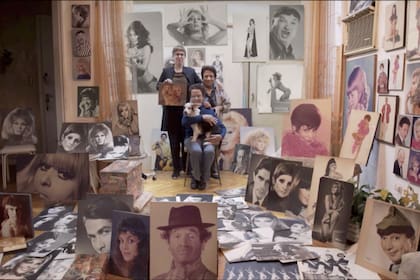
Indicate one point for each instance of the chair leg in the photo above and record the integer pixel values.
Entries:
(186, 168)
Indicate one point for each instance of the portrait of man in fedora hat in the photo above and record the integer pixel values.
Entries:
(397, 237)
(187, 237)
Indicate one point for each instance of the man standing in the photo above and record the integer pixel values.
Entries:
(186, 235)
(257, 190)
(284, 25)
(397, 237)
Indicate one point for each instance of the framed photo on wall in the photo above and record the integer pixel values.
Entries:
(388, 107)
(412, 95)
(403, 130)
(80, 16)
(381, 223)
(396, 71)
(401, 161)
(383, 76)
(88, 100)
(413, 33)
(394, 25)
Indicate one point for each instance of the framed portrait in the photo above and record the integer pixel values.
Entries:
(129, 245)
(100, 140)
(80, 39)
(196, 58)
(241, 159)
(33, 174)
(260, 139)
(412, 95)
(333, 210)
(125, 118)
(233, 121)
(388, 106)
(217, 60)
(173, 94)
(359, 93)
(88, 100)
(413, 34)
(182, 219)
(305, 114)
(73, 138)
(396, 71)
(415, 136)
(277, 84)
(291, 45)
(358, 5)
(401, 161)
(195, 25)
(403, 130)
(394, 25)
(383, 222)
(358, 140)
(383, 76)
(81, 68)
(331, 167)
(250, 25)
(18, 127)
(162, 150)
(16, 220)
(143, 50)
(414, 167)
(80, 16)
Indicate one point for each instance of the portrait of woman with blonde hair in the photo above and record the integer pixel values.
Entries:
(259, 141)
(19, 127)
(100, 140)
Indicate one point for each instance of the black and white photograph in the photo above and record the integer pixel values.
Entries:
(125, 118)
(226, 240)
(388, 232)
(42, 174)
(232, 192)
(16, 218)
(88, 102)
(286, 32)
(250, 38)
(185, 197)
(240, 222)
(56, 269)
(259, 179)
(66, 223)
(236, 201)
(241, 159)
(260, 270)
(277, 84)
(100, 140)
(80, 16)
(129, 245)
(80, 39)
(240, 253)
(19, 127)
(217, 60)
(297, 231)
(226, 212)
(165, 198)
(333, 264)
(24, 266)
(68, 250)
(333, 211)
(94, 223)
(196, 59)
(121, 148)
(358, 5)
(81, 67)
(73, 138)
(285, 253)
(195, 222)
(195, 24)
(144, 50)
(46, 242)
(47, 217)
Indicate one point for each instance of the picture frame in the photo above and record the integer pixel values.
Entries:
(241, 159)
(388, 106)
(125, 118)
(73, 138)
(358, 5)
(403, 130)
(414, 167)
(88, 102)
(394, 22)
(401, 161)
(411, 95)
(383, 76)
(16, 218)
(378, 217)
(80, 16)
(396, 71)
(173, 94)
(413, 36)
(81, 67)
(260, 139)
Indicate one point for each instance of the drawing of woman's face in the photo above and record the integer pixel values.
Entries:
(128, 246)
(133, 37)
(55, 184)
(71, 141)
(195, 21)
(232, 136)
(100, 138)
(18, 126)
(283, 185)
(260, 145)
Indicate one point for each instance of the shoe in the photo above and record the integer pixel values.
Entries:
(194, 184)
(215, 176)
(202, 186)
(175, 174)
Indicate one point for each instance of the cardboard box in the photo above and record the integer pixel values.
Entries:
(122, 177)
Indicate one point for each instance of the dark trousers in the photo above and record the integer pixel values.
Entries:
(179, 157)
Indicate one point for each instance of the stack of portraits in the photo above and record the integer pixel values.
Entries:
(80, 41)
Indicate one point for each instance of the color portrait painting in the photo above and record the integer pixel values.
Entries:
(195, 25)
(142, 39)
(16, 218)
(250, 25)
(388, 232)
(358, 140)
(277, 84)
(413, 32)
(359, 88)
(382, 78)
(388, 106)
(173, 94)
(394, 22)
(261, 139)
(412, 89)
(413, 173)
(396, 71)
(81, 68)
(403, 130)
(401, 161)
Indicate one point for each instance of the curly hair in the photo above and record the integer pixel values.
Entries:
(142, 34)
(29, 121)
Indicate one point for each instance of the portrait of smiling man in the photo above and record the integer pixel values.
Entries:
(286, 32)
(188, 235)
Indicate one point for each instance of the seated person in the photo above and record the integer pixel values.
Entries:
(201, 156)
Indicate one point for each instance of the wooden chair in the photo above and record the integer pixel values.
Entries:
(12, 150)
(215, 161)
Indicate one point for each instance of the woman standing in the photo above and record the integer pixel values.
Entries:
(251, 42)
(139, 51)
(172, 115)
(334, 204)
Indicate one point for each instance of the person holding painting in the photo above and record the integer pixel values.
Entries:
(172, 115)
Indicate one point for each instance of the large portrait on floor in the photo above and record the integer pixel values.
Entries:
(388, 231)
(260, 139)
(55, 177)
(16, 215)
(172, 221)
